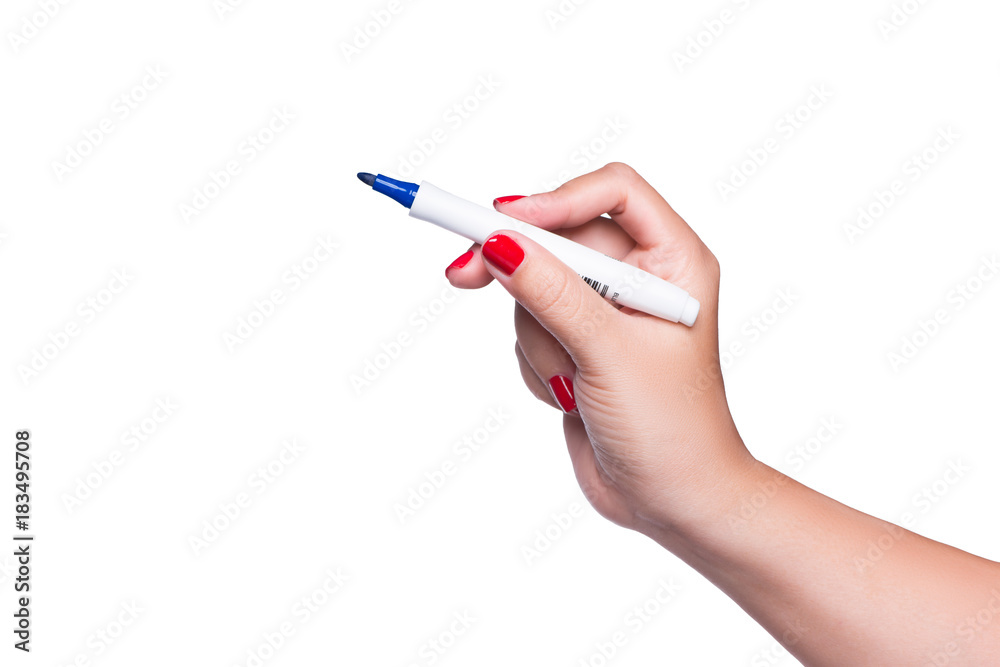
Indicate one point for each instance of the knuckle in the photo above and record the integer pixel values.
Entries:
(621, 170)
(712, 266)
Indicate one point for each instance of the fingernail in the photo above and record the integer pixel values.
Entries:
(562, 390)
(460, 262)
(503, 252)
(506, 200)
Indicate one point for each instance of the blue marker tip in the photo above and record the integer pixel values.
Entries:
(401, 191)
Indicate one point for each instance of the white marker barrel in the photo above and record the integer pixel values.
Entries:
(615, 280)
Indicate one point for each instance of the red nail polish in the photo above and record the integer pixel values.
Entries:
(503, 252)
(460, 262)
(562, 390)
(506, 200)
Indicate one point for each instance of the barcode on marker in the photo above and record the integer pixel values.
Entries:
(600, 288)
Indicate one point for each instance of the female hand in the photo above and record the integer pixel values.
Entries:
(647, 423)
(655, 448)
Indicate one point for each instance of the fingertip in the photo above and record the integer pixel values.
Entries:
(536, 209)
(468, 271)
(544, 209)
(503, 251)
(499, 202)
(460, 262)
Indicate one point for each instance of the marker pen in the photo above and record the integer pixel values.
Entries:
(614, 280)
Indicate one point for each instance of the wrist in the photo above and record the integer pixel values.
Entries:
(718, 495)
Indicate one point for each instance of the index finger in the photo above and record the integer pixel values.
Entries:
(615, 189)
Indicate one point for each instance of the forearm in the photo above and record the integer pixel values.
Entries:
(836, 586)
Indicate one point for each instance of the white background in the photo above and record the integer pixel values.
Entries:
(558, 81)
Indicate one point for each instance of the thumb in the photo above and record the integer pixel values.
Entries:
(579, 318)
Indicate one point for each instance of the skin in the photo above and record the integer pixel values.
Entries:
(655, 449)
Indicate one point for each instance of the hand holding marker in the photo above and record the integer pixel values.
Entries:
(614, 280)
(655, 448)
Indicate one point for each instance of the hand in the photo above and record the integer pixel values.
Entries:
(647, 423)
(655, 448)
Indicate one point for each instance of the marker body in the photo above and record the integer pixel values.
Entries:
(615, 280)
